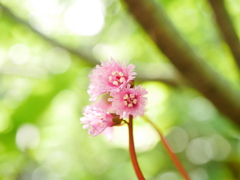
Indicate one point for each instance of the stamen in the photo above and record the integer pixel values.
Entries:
(135, 101)
(130, 105)
(125, 103)
(115, 82)
(110, 78)
(125, 97)
(113, 73)
(120, 74)
(121, 79)
(132, 96)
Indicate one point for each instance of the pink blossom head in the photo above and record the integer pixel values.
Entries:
(110, 76)
(96, 119)
(129, 101)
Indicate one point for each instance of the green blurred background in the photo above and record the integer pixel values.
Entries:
(43, 90)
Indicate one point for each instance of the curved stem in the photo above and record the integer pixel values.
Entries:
(132, 150)
(173, 156)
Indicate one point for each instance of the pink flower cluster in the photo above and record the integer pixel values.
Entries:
(113, 78)
(96, 119)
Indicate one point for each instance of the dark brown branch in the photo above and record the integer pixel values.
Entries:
(193, 68)
(226, 27)
(83, 55)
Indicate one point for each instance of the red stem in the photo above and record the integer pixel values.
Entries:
(132, 150)
(170, 152)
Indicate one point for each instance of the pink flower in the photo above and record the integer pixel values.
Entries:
(103, 103)
(96, 119)
(129, 101)
(110, 76)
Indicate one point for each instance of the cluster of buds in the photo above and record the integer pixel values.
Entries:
(116, 81)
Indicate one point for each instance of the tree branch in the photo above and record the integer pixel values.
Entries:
(226, 27)
(84, 55)
(176, 82)
(155, 22)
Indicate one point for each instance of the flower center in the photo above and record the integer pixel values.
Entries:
(129, 100)
(117, 78)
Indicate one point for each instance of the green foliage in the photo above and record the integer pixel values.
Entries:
(44, 89)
